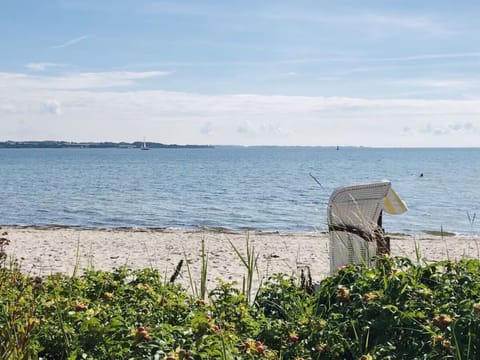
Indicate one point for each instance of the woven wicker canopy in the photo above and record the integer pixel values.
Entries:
(354, 217)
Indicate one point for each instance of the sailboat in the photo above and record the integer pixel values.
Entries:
(144, 146)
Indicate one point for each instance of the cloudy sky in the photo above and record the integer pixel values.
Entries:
(270, 72)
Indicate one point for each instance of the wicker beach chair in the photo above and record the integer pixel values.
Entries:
(355, 222)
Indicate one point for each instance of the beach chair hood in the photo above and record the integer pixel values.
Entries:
(353, 219)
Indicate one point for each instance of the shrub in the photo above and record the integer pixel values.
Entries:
(399, 310)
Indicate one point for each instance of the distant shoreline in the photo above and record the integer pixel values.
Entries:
(47, 144)
(54, 144)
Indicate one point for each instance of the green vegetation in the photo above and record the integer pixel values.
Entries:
(398, 310)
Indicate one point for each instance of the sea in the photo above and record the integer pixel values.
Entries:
(234, 188)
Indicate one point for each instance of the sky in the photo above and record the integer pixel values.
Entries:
(252, 72)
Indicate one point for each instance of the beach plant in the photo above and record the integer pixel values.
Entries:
(471, 220)
(249, 261)
(288, 311)
(18, 323)
(402, 310)
(202, 292)
(17, 308)
(203, 271)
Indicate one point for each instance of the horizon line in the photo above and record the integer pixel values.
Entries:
(244, 146)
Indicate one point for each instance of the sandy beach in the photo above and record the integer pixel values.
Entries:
(47, 250)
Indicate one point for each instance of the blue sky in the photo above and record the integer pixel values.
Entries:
(370, 73)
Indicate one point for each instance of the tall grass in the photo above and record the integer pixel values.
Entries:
(471, 221)
(200, 293)
(249, 261)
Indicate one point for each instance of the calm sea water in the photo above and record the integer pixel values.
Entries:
(264, 188)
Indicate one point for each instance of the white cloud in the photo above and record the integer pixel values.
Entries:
(364, 19)
(53, 107)
(77, 81)
(450, 128)
(341, 59)
(407, 130)
(70, 42)
(245, 128)
(285, 75)
(206, 129)
(467, 126)
(179, 8)
(273, 127)
(42, 66)
(90, 113)
(7, 109)
(437, 83)
(404, 21)
(431, 56)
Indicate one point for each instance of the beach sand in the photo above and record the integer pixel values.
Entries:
(47, 250)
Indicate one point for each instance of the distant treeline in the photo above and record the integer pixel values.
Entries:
(67, 144)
